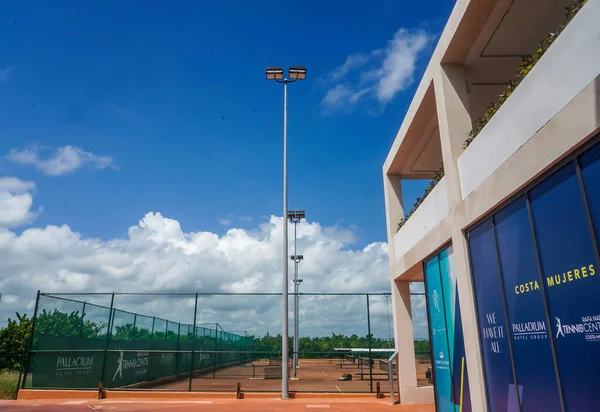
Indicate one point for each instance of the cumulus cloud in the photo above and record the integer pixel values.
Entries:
(14, 185)
(158, 256)
(377, 76)
(59, 161)
(16, 202)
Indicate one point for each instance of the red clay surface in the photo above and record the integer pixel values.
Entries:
(216, 405)
(313, 375)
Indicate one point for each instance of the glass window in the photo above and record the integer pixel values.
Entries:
(532, 352)
(590, 169)
(493, 331)
(569, 268)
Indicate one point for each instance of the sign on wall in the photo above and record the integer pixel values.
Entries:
(451, 380)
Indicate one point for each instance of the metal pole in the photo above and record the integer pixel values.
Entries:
(108, 331)
(166, 329)
(177, 353)
(152, 333)
(82, 315)
(134, 323)
(295, 357)
(284, 327)
(369, 340)
(193, 344)
(215, 350)
(35, 312)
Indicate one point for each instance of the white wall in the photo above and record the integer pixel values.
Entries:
(431, 212)
(570, 64)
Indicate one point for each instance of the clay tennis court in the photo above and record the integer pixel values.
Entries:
(313, 375)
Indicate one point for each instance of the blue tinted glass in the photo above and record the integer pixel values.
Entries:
(590, 168)
(441, 353)
(529, 328)
(569, 268)
(493, 330)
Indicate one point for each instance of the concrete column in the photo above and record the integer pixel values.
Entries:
(394, 212)
(454, 121)
(402, 313)
(469, 321)
(403, 334)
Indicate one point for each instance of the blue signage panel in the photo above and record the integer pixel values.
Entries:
(458, 365)
(590, 169)
(493, 328)
(451, 379)
(570, 267)
(441, 352)
(528, 325)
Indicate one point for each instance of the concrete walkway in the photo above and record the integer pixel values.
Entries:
(216, 405)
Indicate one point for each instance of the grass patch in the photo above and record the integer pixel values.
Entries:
(8, 384)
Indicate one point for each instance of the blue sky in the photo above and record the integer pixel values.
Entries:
(167, 105)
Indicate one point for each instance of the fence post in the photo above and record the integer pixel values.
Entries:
(134, 323)
(82, 324)
(215, 350)
(369, 340)
(193, 343)
(110, 321)
(166, 329)
(30, 345)
(177, 353)
(152, 333)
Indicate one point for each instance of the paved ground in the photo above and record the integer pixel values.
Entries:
(252, 405)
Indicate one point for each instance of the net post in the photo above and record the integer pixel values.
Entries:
(108, 332)
(193, 343)
(369, 340)
(30, 345)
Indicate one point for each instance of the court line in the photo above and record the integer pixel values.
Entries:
(338, 388)
(324, 373)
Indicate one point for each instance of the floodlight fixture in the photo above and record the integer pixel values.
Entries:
(274, 73)
(297, 73)
(296, 216)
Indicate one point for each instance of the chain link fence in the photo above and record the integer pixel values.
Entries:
(212, 342)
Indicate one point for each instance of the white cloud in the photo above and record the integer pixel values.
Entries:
(14, 185)
(158, 256)
(61, 160)
(225, 222)
(5, 74)
(16, 202)
(245, 218)
(377, 76)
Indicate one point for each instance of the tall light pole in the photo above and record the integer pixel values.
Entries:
(276, 73)
(295, 217)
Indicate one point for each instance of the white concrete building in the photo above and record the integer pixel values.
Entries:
(507, 241)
